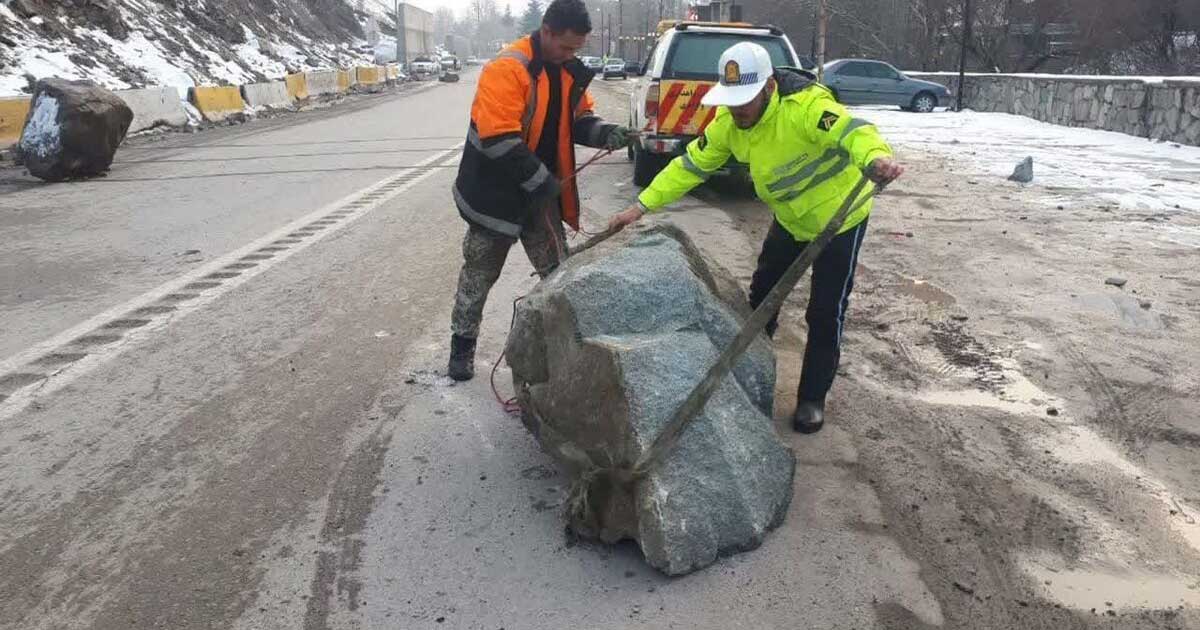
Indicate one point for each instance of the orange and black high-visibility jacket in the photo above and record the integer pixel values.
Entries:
(501, 182)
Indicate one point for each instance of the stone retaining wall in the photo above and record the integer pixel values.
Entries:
(1161, 110)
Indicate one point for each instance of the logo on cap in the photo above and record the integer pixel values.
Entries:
(733, 73)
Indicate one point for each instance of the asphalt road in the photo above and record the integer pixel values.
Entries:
(224, 409)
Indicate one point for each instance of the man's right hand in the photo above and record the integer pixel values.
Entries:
(628, 216)
(619, 137)
(884, 171)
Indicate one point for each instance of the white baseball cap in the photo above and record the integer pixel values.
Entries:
(744, 69)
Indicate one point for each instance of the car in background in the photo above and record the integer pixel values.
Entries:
(595, 64)
(450, 62)
(472, 60)
(633, 67)
(614, 68)
(870, 82)
(682, 68)
(424, 66)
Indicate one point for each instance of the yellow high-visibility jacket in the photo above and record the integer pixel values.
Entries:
(806, 153)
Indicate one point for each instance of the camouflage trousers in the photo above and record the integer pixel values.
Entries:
(484, 253)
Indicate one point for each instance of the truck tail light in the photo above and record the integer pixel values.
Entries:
(652, 104)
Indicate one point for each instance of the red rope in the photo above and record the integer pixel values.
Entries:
(509, 405)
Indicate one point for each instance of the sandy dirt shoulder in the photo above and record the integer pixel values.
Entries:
(1029, 429)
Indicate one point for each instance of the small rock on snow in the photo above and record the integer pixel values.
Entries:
(1116, 282)
(1023, 173)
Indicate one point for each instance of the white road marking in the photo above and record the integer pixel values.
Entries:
(348, 209)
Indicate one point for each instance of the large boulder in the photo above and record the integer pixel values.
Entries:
(73, 129)
(603, 352)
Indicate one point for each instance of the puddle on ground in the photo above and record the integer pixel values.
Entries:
(1086, 588)
(1003, 387)
(1120, 306)
(923, 291)
(1080, 445)
(1011, 392)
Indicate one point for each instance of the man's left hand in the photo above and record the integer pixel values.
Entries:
(884, 171)
(619, 137)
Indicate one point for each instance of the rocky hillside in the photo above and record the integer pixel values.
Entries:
(134, 43)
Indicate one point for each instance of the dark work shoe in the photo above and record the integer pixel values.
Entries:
(810, 417)
(462, 358)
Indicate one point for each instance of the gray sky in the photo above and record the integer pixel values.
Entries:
(459, 6)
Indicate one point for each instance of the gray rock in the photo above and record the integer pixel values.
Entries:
(604, 351)
(1116, 281)
(73, 129)
(1023, 173)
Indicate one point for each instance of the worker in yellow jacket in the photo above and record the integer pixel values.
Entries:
(806, 152)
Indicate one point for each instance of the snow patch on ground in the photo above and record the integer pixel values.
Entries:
(139, 52)
(1126, 171)
(43, 134)
(163, 49)
(251, 55)
(1060, 77)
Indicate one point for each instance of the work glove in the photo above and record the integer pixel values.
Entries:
(619, 137)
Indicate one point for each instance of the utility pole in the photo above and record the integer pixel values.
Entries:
(620, 29)
(609, 49)
(962, 55)
(822, 29)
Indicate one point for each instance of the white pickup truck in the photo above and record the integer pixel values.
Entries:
(682, 67)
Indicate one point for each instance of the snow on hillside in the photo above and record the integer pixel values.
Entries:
(134, 43)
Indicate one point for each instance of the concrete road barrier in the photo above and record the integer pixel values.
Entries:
(273, 94)
(322, 82)
(13, 112)
(153, 107)
(218, 103)
(371, 78)
(344, 80)
(370, 75)
(297, 86)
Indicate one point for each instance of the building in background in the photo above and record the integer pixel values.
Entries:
(715, 11)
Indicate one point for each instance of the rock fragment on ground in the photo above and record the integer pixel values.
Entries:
(604, 351)
(1023, 173)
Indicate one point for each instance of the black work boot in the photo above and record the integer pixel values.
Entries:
(810, 416)
(462, 358)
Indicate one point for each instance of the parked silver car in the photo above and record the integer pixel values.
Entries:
(595, 64)
(614, 68)
(868, 82)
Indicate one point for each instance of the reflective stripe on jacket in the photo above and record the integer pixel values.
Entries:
(805, 154)
(501, 182)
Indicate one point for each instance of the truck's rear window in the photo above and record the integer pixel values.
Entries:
(695, 55)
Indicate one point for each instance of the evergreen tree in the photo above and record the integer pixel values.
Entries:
(531, 20)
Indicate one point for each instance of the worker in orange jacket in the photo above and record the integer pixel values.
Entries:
(515, 178)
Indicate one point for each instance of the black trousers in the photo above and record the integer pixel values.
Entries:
(832, 281)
